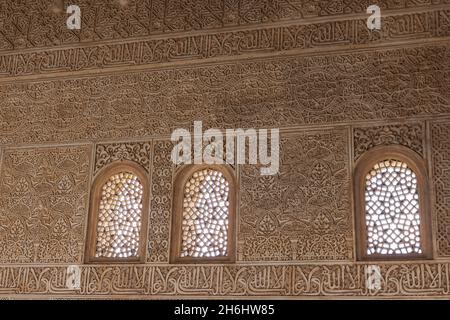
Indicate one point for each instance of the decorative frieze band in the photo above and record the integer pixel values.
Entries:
(323, 36)
(176, 281)
(38, 24)
(273, 93)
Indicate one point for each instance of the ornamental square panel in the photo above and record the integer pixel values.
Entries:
(43, 204)
(304, 212)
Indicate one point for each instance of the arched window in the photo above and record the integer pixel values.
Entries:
(204, 214)
(392, 205)
(118, 214)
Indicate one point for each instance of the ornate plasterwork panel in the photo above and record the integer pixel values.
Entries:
(161, 203)
(279, 92)
(303, 212)
(139, 152)
(259, 64)
(39, 24)
(238, 281)
(441, 181)
(304, 38)
(43, 204)
(410, 135)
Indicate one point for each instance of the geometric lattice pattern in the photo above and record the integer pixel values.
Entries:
(392, 209)
(205, 215)
(119, 218)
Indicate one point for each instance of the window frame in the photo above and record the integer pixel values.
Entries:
(181, 177)
(417, 164)
(95, 197)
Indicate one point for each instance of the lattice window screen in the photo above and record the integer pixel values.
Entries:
(392, 209)
(205, 215)
(119, 218)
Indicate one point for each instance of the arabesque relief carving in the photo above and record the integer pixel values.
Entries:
(134, 73)
(139, 152)
(440, 133)
(43, 204)
(410, 135)
(276, 92)
(161, 204)
(238, 281)
(40, 24)
(302, 213)
(222, 44)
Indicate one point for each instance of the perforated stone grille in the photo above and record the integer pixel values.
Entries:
(119, 219)
(205, 215)
(392, 209)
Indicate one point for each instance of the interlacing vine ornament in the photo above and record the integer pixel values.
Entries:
(392, 209)
(271, 93)
(205, 215)
(43, 204)
(441, 180)
(303, 213)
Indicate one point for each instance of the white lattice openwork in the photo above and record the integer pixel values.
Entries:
(205, 215)
(392, 209)
(119, 217)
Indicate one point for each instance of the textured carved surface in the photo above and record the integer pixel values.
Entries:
(271, 93)
(37, 24)
(397, 280)
(161, 204)
(408, 135)
(226, 44)
(441, 180)
(43, 204)
(137, 152)
(304, 212)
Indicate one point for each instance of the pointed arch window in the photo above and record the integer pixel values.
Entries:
(392, 205)
(118, 214)
(204, 215)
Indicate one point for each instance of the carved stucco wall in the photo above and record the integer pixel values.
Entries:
(303, 212)
(310, 68)
(44, 197)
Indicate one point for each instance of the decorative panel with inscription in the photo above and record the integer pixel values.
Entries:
(398, 280)
(291, 37)
(38, 24)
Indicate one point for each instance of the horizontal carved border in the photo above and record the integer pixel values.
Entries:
(39, 24)
(279, 92)
(331, 280)
(327, 35)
